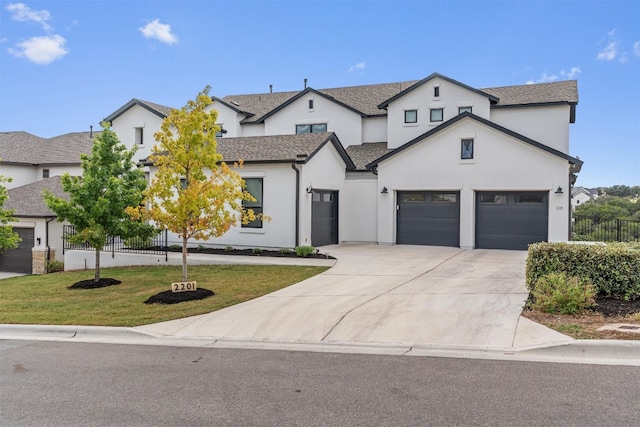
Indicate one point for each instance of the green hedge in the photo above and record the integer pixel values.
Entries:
(613, 269)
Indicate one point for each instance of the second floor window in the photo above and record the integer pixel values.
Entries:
(254, 187)
(411, 116)
(316, 128)
(45, 173)
(139, 136)
(437, 114)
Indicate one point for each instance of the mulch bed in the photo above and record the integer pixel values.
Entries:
(92, 284)
(169, 297)
(610, 307)
(245, 252)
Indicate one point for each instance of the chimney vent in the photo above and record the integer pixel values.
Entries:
(270, 88)
(305, 83)
(90, 131)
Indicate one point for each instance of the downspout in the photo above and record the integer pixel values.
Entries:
(293, 166)
(46, 241)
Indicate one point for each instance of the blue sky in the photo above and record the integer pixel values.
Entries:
(65, 65)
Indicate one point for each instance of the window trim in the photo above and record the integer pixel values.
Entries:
(311, 125)
(139, 135)
(436, 91)
(467, 107)
(462, 149)
(46, 173)
(258, 223)
(432, 110)
(413, 110)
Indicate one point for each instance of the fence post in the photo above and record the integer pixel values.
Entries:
(166, 247)
(619, 230)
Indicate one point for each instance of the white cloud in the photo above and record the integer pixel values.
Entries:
(156, 30)
(41, 50)
(636, 48)
(360, 66)
(610, 51)
(571, 74)
(21, 12)
(544, 79)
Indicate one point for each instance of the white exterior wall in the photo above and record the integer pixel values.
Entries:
(20, 175)
(451, 98)
(252, 130)
(579, 199)
(359, 222)
(548, 125)
(325, 171)
(500, 163)
(124, 126)
(228, 119)
(345, 123)
(61, 170)
(374, 129)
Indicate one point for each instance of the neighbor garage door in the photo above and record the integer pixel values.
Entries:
(19, 260)
(428, 218)
(511, 220)
(324, 218)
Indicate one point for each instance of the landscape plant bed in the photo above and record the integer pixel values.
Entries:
(245, 252)
(170, 297)
(584, 326)
(103, 282)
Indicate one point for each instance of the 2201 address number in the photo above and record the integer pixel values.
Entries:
(183, 286)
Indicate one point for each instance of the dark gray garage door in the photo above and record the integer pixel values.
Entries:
(324, 218)
(428, 218)
(511, 220)
(19, 260)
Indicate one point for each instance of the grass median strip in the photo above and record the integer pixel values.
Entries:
(46, 299)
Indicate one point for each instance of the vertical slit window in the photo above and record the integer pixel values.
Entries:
(254, 187)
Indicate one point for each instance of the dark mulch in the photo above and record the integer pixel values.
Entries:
(92, 284)
(610, 307)
(169, 297)
(245, 252)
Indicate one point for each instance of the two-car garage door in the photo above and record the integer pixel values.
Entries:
(504, 220)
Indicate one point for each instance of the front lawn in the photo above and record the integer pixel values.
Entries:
(46, 299)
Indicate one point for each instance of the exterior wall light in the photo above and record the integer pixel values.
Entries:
(309, 189)
(384, 190)
(559, 190)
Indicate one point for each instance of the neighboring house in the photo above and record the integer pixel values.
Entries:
(428, 162)
(36, 164)
(580, 195)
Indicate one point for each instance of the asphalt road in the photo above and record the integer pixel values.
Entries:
(80, 384)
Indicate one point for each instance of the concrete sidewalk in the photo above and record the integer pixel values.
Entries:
(388, 295)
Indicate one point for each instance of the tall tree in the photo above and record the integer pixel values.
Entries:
(110, 182)
(193, 192)
(8, 238)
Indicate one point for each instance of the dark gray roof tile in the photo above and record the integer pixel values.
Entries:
(25, 148)
(366, 153)
(27, 200)
(541, 93)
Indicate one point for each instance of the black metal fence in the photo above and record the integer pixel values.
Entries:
(594, 229)
(156, 245)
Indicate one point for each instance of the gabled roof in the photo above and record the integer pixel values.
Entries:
(23, 148)
(278, 148)
(470, 116)
(366, 153)
(419, 83)
(27, 200)
(157, 109)
(577, 190)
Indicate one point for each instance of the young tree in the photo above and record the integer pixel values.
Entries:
(8, 238)
(110, 182)
(193, 192)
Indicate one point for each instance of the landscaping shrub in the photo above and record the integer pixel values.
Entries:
(304, 251)
(285, 251)
(55, 266)
(613, 269)
(256, 251)
(559, 293)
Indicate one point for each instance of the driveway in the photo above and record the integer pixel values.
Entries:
(416, 295)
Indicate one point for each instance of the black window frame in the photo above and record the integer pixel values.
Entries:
(311, 104)
(469, 152)
(257, 206)
(139, 135)
(436, 91)
(432, 110)
(411, 111)
(469, 109)
(311, 125)
(45, 173)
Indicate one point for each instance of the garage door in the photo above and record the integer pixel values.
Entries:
(324, 218)
(511, 220)
(428, 218)
(19, 260)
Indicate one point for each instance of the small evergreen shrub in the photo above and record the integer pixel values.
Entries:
(558, 293)
(175, 247)
(228, 249)
(305, 251)
(285, 251)
(256, 251)
(55, 266)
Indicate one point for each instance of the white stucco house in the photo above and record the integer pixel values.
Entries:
(35, 164)
(580, 195)
(427, 162)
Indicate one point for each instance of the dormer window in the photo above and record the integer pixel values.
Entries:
(464, 110)
(436, 91)
(411, 116)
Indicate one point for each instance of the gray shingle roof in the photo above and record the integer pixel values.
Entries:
(541, 93)
(28, 202)
(25, 148)
(157, 109)
(366, 153)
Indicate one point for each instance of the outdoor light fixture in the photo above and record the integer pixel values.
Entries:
(309, 189)
(559, 190)
(38, 240)
(384, 190)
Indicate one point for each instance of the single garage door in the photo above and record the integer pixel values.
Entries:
(19, 260)
(428, 218)
(324, 217)
(511, 220)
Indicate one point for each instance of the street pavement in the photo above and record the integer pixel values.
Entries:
(401, 300)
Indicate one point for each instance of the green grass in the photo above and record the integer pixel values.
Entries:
(46, 299)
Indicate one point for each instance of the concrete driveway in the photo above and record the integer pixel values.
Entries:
(416, 295)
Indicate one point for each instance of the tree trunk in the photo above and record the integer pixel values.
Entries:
(184, 259)
(97, 276)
